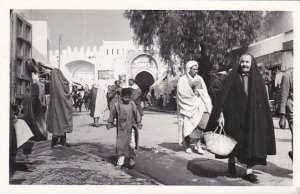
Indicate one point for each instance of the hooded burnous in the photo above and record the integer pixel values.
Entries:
(247, 115)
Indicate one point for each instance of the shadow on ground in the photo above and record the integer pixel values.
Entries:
(215, 168)
(173, 146)
(275, 170)
(108, 153)
(210, 168)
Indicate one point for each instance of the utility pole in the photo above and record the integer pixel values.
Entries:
(59, 48)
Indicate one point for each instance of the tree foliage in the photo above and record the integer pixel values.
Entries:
(206, 36)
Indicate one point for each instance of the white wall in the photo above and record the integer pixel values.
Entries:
(39, 41)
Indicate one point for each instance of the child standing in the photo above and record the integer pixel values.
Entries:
(128, 120)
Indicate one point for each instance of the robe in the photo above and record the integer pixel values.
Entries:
(98, 102)
(248, 118)
(190, 107)
(127, 117)
(59, 119)
(136, 97)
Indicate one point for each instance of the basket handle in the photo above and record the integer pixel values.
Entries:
(222, 131)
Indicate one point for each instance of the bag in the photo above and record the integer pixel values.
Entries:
(219, 143)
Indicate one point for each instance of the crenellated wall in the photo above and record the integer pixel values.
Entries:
(108, 61)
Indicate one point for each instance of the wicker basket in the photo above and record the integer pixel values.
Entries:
(219, 143)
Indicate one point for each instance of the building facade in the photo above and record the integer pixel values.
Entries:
(113, 60)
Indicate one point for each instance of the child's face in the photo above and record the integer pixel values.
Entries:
(126, 99)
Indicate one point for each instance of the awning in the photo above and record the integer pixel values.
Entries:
(288, 45)
(40, 58)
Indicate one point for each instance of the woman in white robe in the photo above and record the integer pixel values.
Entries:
(193, 104)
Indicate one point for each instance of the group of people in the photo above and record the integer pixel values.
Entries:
(80, 97)
(240, 104)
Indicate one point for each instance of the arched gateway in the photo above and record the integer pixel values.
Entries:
(145, 71)
(144, 80)
(81, 71)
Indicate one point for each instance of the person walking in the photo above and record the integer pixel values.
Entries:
(242, 107)
(286, 103)
(86, 99)
(59, 118)
(193, 105)
(98, 104)
(113, 94)
(128, 120)
(136, 95)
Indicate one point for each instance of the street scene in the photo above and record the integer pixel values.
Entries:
(160, 160)
(175, 98)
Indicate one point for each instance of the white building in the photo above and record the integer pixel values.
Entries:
(113, 60)
(274, 52)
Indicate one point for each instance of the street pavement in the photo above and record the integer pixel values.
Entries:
(91, 159)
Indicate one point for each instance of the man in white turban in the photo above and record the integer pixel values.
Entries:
(193, 105)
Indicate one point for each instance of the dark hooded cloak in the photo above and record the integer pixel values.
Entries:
(59, 119)
(248, 119)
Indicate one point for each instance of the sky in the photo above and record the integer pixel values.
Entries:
(90, 27)
(83, 27)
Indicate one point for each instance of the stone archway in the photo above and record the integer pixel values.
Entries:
(144, 62)
(144, 80)
(82, 72)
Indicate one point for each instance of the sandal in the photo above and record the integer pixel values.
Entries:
(119, 167)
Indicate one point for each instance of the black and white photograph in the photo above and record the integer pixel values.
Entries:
(149, 97)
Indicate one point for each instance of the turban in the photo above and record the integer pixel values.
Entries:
(189, 65)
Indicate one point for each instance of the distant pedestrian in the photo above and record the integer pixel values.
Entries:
(59, 119)
(86, 99)
(128, 120)
(109, 87)
(136, 95)
(286, 103)
(77, 99)
(242, 107)
(98, 104)
(113, 95)
(194, 106)
(149, 96)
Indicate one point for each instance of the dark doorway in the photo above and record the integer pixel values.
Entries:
(144, 80)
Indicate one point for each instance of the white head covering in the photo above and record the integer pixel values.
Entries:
(189, 65)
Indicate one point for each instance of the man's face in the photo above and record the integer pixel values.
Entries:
(245, 63)
(117, 83)
(131, 82)
(193, 71)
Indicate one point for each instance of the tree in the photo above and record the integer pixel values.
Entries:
(205, 36)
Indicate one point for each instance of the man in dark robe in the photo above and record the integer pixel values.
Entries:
(113, 96)
(243, 109)
(92, 97)
(136, 95)
(216, 85)
(59, 119)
